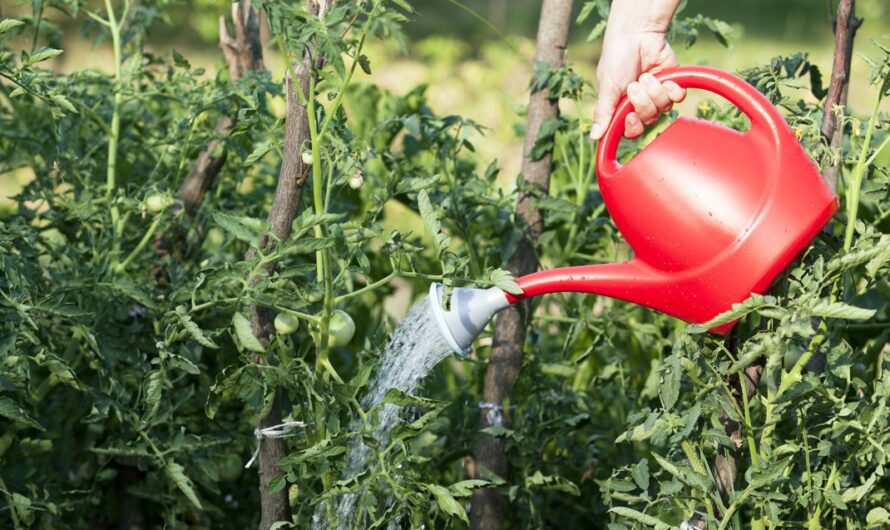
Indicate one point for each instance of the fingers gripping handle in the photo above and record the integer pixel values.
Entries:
(765, 118)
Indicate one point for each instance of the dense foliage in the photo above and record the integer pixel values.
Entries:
(130, 380)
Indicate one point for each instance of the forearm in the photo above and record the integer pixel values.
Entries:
(641, 16)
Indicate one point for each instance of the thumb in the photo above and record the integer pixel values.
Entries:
(602, 114)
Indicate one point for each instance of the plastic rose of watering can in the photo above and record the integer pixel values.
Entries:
(712, 215)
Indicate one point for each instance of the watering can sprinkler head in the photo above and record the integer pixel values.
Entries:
(470, 311)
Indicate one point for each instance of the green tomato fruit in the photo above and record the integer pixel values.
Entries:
(314, 295)
(342, 328)
(792, 354)
(285, 323)
(356, 181)
(158, 202)
(306, 157)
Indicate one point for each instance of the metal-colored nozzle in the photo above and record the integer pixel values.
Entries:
(471, 309)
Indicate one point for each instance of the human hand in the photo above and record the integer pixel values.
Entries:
(634, 48)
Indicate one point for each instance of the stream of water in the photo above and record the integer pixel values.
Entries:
(416, 347)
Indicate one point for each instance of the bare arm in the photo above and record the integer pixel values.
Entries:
(634, 47)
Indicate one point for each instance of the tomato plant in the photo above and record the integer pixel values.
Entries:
(131, 375)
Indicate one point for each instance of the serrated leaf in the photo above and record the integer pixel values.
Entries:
(669, 389)
(545, 138)
(63, 102)
(321, 449)
(465, 488)
(551, 482)
(394, 396)
(308, 219)
(503, 279)
(259, 151)
(640, 473)
(640, 517)
(9, 23)
(10, 410)
(151, 397)
(753, 303)
(176, 473)
(245, 334)
(246, 229)
(447, 502)
(196, 332)
(411, 184)
(127, 287)
(63, 372)
(42, 54)
(881, 259)
(404, 5)
(306, 245)
(827, 309)
(431, 221)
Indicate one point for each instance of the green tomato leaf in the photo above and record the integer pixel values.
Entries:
(551, 483)
(504, 280)
(63, 102)
(8, 23)
(669, 389)
(9, 409)
(446, 502)
(245, 334)
(246, 229)
(42, 54)
(176, 473)
(431, 221)
(196, 332)
(465, 488)
(827, 309)
(640, 517)
(151, 397)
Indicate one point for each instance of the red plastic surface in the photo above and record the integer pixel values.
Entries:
(712, 214)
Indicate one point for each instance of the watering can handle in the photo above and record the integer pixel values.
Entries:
(765, 118)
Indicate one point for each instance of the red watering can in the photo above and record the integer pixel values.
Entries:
(712, 215)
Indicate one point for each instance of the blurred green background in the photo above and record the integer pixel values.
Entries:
(482, 74)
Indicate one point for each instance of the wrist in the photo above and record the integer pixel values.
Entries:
(630, 17)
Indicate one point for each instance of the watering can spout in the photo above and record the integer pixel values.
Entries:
(472, 309)
(631, 281)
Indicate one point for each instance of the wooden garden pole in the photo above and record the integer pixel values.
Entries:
(845, 25)
(288, 193)
(505, 360)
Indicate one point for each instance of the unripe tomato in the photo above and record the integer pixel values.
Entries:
(792, 354)
(341, 330)
(306, 157)
(356, 181)
(285, 323)
(293, 495)
(314, 295)
(158, 202)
